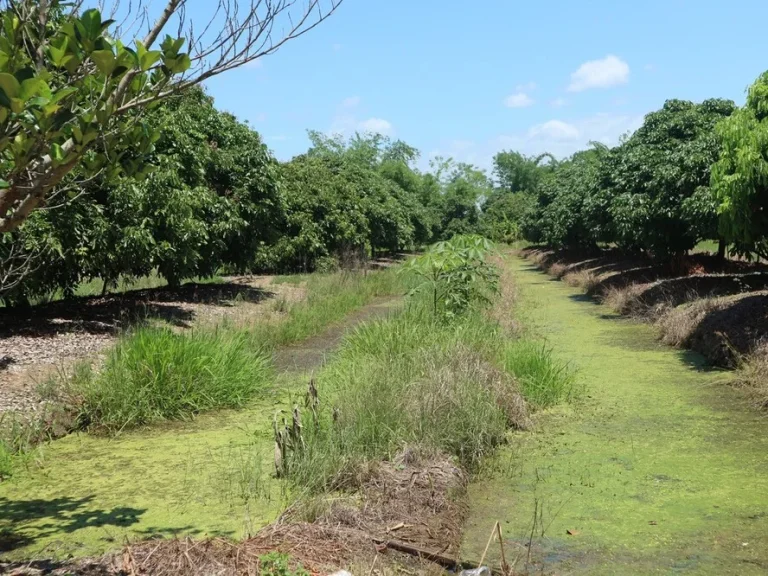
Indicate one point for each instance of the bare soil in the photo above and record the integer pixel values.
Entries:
(36, 341)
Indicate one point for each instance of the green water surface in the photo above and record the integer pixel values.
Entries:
(660, 467)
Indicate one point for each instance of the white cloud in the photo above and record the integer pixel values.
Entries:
(559, 102)
(557, 137)
(376, 126)
(555, 130)
(519, 100)
(350, 102)
(610, 71)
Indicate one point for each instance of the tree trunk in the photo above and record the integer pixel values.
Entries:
(721, 249)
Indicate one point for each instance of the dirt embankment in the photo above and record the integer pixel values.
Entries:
(719, 309)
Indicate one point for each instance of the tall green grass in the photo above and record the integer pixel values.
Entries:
(156, 374)
(412, 380)
(543, 380)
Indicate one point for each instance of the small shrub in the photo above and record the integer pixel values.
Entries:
(156, 374)
(543, 380)
(327, 265)
(456, 275)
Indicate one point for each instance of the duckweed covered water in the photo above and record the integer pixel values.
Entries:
(89, 494)
(84, 495)
(659, 469)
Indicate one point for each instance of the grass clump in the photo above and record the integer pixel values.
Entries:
(6, 461)
(543, 380)
(752, 374)
(156, 374)
(584, 279)
(410, 380)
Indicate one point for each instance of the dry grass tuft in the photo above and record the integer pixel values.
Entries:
(445, 383)
(584, 279)
(752, 374)
(678, 324)
(558, 269)
(625, 300)
(502, 310)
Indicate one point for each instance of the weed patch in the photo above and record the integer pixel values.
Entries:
(156, 374)
(543, 380)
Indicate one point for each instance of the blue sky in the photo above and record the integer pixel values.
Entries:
(467, 79)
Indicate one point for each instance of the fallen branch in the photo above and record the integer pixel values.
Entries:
(448, 562)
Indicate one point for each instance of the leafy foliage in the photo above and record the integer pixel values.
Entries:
(651, 193)
(67, 88)
(658, 179)
(211, 200)
(455, 275)
(740, 177)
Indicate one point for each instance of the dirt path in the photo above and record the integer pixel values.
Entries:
(312, 352)
(659, 469)
(84, 495)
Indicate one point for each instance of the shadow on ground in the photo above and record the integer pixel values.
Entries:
(732, 326)
(113, 313)
(22, 522)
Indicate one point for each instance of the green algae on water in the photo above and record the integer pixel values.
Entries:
(658, 469)
(90, 494)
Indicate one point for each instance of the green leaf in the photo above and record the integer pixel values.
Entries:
(63, 93)
(91, 24)
(33, 87)
(104, 60)
(57, 153)
(4, 184)
(17, 105)
(9, 85)
(149, 59)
